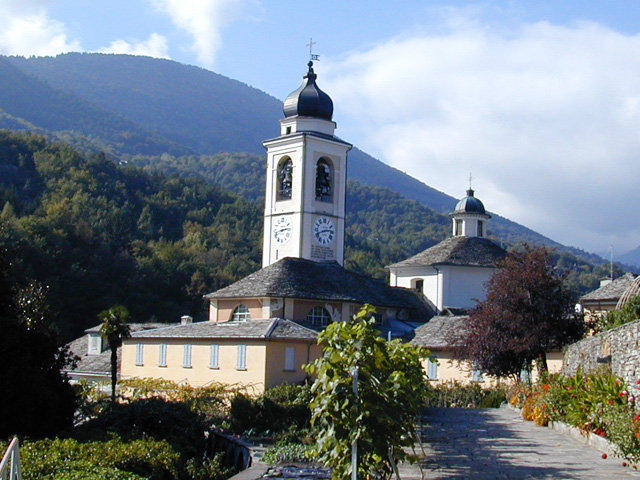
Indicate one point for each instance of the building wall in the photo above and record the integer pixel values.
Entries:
(276, 373)
(463, 285)
(200, 373)
(450, 369)
(226, 307)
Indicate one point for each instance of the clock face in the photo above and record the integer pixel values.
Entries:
(324, 230)
(282, 230)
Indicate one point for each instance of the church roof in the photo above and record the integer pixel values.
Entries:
(275, 328)
(308, 100)
(328, 281)
(438, 331)
(469, 204)
(612, 290)
(461, 251)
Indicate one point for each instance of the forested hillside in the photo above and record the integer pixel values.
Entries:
(99, 233)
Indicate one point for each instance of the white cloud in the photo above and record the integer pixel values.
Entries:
(26, 29)
(203, 20)
(154, 46)
(546, 117)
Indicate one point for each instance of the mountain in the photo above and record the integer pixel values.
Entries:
(129, 105)
(631, 258)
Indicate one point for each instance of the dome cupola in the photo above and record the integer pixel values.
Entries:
(469, 217)
(470, 204)
(308, 100)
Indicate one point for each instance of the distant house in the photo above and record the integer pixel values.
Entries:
(606, 297)
(256, 354)
(438, 336)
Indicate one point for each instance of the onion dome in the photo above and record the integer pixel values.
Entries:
(308, 100)
(470, 204)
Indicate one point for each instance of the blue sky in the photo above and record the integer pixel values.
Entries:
(540, 101)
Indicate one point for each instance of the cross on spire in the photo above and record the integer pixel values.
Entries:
(312, 56)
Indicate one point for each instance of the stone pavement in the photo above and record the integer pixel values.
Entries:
(487, 444)
(496, 444)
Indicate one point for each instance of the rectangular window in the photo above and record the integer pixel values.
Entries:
(213, 357)
(162, 355)
(476, 375)
(480, 231)
(186, 358)
(242, 357)
(458, 227)
(139, 353)
(432, 369)
(95, 344)
(289, 359)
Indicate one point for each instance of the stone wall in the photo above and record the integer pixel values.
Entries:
(618, 348)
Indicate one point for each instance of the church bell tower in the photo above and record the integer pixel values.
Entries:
(306, 180)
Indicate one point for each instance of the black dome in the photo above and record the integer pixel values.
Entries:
(470, 204)
(308, 100)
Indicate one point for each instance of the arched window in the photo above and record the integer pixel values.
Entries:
(318, 317)
(240, 313)
(285, 181)
(324, 181)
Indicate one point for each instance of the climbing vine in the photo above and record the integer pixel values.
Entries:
(381, 417)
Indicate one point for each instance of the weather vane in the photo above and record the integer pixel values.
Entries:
(312, 56)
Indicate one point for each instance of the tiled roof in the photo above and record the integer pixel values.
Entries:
(437, 332)
(300, 278)
(276, 328)
(100, 364)
(611, 291)
(462, 251)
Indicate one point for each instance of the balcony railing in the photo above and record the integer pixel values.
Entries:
(11, 462)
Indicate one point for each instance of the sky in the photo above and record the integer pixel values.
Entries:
(537, 101)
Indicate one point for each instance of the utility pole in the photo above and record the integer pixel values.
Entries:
(354, 446)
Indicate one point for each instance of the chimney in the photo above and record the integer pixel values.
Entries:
(186, 319)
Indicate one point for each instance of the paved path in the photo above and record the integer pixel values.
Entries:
(496, 444)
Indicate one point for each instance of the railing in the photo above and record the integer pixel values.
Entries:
(11, 457)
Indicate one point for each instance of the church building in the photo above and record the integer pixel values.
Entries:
(453, 272)
(262, 328)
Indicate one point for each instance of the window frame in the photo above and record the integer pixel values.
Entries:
(214, 356)
(241, 361)
(187, 351)
(162, 355)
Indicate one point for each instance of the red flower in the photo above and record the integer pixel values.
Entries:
(638, 434)
(636, 417)
(604, 456)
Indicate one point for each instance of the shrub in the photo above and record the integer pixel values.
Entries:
(289, 453)
(463, 395)
(70, 459)
(275, 411)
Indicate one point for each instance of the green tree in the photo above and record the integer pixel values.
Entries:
(629, 312)
(527, 312)
(114, 329)
(390, 395)
(37, 399)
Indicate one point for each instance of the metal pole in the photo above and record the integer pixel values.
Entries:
(354, 445)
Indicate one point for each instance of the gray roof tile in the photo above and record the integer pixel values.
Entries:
(300, 278)
(276, 328)
(611, 291)
(438, 331)
(462, 251)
